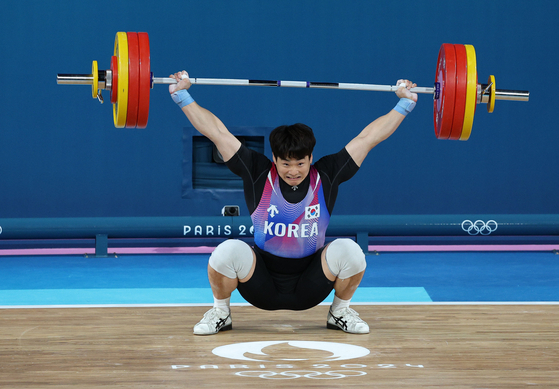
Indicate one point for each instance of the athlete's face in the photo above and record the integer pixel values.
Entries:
(293, 171)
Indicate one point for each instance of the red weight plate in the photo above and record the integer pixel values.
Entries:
(145, 80)
(114, 85)
(460, 96)
(133, 79)
(445, 84)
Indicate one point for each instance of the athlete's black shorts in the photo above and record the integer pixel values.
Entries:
(286, 283)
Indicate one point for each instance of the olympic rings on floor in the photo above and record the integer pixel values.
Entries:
(292, 374)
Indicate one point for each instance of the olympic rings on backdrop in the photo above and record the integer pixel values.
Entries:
(479, 227)
(292, 374)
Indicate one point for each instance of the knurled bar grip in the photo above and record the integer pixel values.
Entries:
(87, 79)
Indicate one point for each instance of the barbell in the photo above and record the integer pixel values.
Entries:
(456, 91)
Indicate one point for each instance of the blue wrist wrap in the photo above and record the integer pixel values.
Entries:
(404, 106)
(182, 98)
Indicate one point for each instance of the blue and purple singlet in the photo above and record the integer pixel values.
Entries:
(291, 230)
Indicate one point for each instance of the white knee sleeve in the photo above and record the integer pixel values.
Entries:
(345, 258)
(232, 258)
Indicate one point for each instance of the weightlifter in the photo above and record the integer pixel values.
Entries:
(290, 200)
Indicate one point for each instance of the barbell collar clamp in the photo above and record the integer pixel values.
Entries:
(484, 93)
(104, 79)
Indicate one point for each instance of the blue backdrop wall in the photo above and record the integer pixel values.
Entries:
(60, 155)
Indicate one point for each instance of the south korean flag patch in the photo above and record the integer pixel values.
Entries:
(312, 212)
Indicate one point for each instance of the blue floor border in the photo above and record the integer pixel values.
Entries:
(426, 277)
(127, 296)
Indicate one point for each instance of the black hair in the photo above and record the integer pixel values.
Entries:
(294, 141)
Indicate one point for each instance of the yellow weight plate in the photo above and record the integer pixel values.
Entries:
(95, 85)
(121, 106)
(471, 93)
(492, 89)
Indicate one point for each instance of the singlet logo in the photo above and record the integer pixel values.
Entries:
(312, 212)
(272, 210)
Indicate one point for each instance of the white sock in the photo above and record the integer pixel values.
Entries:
(338, 303)
(222, 304)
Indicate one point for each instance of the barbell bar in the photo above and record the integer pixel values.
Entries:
(456, 91)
